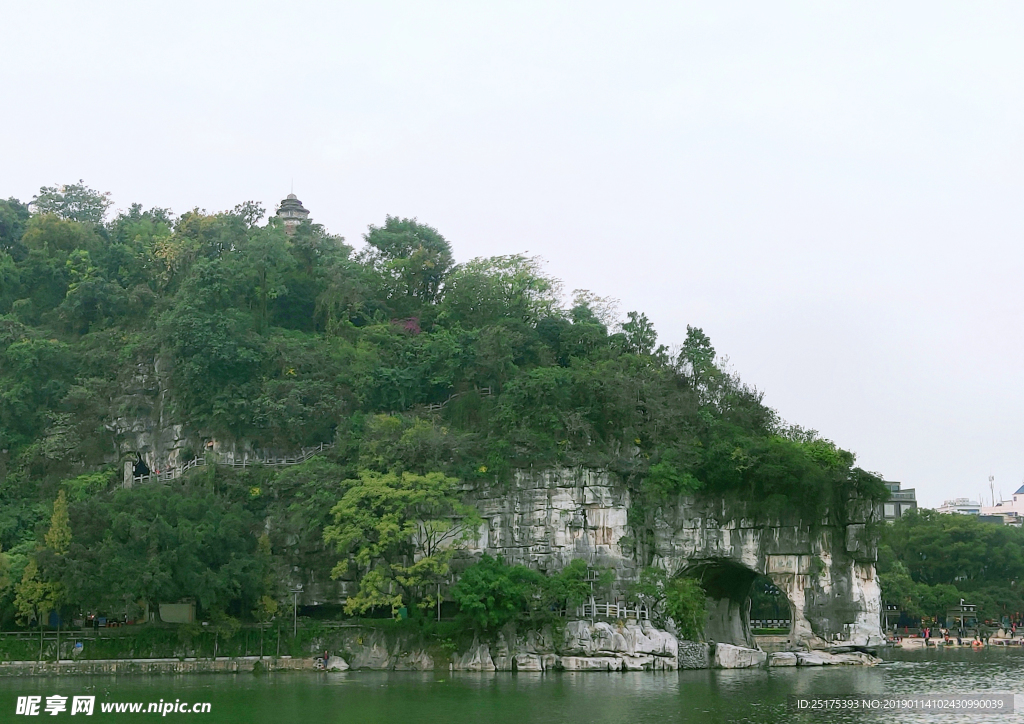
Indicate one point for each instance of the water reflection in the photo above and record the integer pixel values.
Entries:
(566, 698)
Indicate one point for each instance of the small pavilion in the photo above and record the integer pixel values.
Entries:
(293, 213)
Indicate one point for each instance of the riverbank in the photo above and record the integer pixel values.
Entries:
(104, 667)
(913, 643)
(575, 646)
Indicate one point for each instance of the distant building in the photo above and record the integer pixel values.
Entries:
(1011, 512)
(964, 616)
(293, 213)
(963, 506)
(1005, 512)
(1018, 500)
(899, 502)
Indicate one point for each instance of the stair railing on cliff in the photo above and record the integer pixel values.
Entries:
(229, 460)
(613, 611)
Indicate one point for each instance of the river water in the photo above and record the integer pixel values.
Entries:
(562, 698)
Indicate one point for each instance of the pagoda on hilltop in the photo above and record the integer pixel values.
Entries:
(292, 212)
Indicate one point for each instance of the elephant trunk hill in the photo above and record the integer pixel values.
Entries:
(244, 416)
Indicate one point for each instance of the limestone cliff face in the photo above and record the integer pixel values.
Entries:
(144, 420)
(548, 518)
(545, 519)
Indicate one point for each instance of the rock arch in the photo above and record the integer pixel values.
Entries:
(825, 570)
(547, 518)
(727, 585)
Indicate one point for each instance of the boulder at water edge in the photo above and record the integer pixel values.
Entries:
(336, 663)
(782, 658)
(728, 656)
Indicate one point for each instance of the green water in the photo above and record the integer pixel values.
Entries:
(565, 698)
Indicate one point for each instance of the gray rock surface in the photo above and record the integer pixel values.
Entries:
(529, 662)
(336, 663)
(477, 658)
(728, 656)
(591, 663)
(372, 654)
(642, 662)
(693, 655)
(812, 658)
(415, 660)
(782, 658)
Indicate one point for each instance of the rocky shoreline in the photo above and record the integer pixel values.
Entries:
(580, 645)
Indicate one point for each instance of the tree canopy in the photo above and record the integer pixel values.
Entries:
(928, 561)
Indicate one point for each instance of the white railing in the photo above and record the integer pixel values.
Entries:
(613, 610)
(229, 460)
(246, 461)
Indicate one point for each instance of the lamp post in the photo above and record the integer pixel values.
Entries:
(295, 609)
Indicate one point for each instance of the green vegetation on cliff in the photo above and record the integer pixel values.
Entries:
(426, 375)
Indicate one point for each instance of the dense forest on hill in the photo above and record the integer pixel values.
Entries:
(290, 340)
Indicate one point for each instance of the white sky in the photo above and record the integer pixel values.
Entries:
(831, 190)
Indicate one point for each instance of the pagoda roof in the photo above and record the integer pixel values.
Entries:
(292, 203)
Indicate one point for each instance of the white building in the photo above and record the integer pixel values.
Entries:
(1011, 510)
(1006, 512)
(964, 506)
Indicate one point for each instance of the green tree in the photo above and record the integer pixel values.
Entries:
(927, 561)
(35, 375)
(491, 593)
(399, 533)
(10, 282)
(73, 202)
(14, 216)
(34, 597)
(251, 212)
(267, 262)
(639, 334)
(686, 605)
(484, 291)
(5, 574)
(681, 599)
(697, 363)
(668, 477)
(58, 537)
(586, 304)
(159, 544)
(573, 585)
(412, 260)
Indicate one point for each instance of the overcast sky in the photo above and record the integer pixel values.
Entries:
(832, 191)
